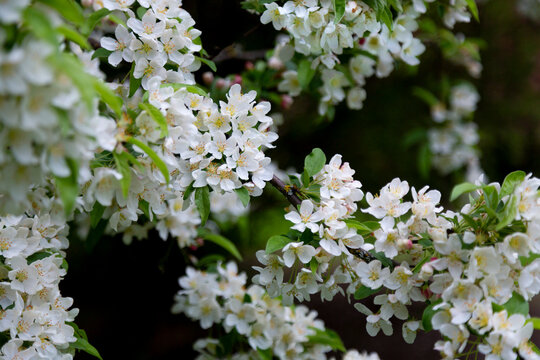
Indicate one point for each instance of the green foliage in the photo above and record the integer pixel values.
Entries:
(427, 315)
(155, 158)
(363, 292)
(305, 73)
(326, 337)
(339, 8)
(276, 242)
(157, 116)
(69, 9)
(516, 305)
(68, 187)
(92, 20)
(82, 342)
(243, 195)
(210, 63)
(511, 181)
(220, 241)
(195, 89)
(461, 189)
(202, 201)
(314, 162)
(96, 214)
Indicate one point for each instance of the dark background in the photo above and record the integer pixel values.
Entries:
(125, 293)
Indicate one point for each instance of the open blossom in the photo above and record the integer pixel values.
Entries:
(305, 218)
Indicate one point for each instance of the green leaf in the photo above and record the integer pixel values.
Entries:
(363, 292)
(243, 195)
(461, 189)
(93, 19)
(96, 214)
(122, 165)
(516, 305)
(70, 65)
(491, 196)
(202, 201)
(509, 213)
(339, 8)
(155, 158)
(424, 260)
(40, 26)
(220, 240)
(425, 95)
(134, 83)
(117, 20)
(511, 181)
(427, 315)
(38, 256)
(305, 73)
(364, 228)
(383, 259)
(157, 116)
(84, 345)
(69, 9)
(101, 53)
(210, 260)
(210, 63)
(326, 337)
(108, 96)
(314, 162)
(267, 354)
(473, 8)
(535, 321)
(73, 35)
(194, 89)
(68, 187)
(276, 242)
(187, 194)
(524, 260)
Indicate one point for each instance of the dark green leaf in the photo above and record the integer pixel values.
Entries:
(305, 73)
(186, 197)
(96, 214)
(276, 242)
(425, 95)
(210, 63)
(314, 162)
(243, 195)
(462, 189)
(155, 158)
(220, 240)
(101, 53)
(84, 345)
(339, 8)
(363, 292)
(473, 8)
(157, 116)
(326, 337)
(93, 19)
(267, 354)
(428, 315)
(122, 165)
(108, 96)
(38, 256)
(73, 35)
(69, 9)
(511, 181)
(68, 187)
(509, 213)
(202, 201)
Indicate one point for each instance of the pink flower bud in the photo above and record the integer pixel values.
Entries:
(208, 78)
(286, 101)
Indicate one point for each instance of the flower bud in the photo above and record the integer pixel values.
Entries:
(286, 101)
(275, 63)
(208, 78)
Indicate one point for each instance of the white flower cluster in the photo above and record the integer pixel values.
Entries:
(461, 268)
(222, 299)
(453, 142)
(220, 146)
(45, 124)
(375, 46)
(33, 314)
(163, 35)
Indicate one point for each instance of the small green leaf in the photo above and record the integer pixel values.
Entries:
(38, 256)
(122, 165)
(96, 214)
(339, 8)
(243, 195)
(511, 181)
(202, 201)
(155, 158)
(535, 321)
(93, 19)
(157, 116)
(314, 162)
(73, 35)
(68, 187)
(363, 292)
(101, 53)
(267, 354)
(134, 83)
(305, 73)
(69, 9)
(517, 305)
(276, 242)
(221, 241)
(326, 337)
(462, 189)
(425, 95)
(473, 8)
(424, 260)
(70, 65)
(84, 345)
(108, 96)
(210, 63)
(364, 228)
(428, 315)
(509, 213)
(194, 89)
(117, 20)
(40, 26)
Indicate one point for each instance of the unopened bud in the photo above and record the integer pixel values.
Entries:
(426, 271)
(208, 78)
(221, 83)
(275, 63)
(286, 101)
(405, 244)
(249, 65)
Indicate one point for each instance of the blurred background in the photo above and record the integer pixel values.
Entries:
(125, 293)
